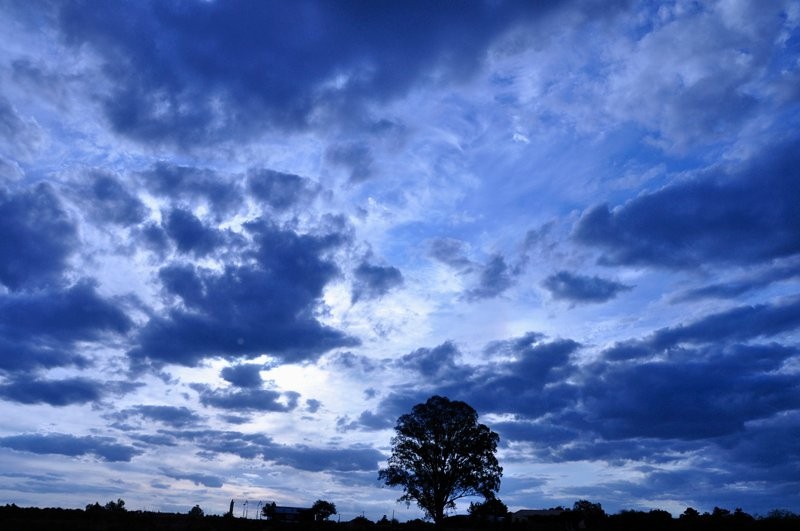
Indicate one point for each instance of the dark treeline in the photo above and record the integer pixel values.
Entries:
(114, 517)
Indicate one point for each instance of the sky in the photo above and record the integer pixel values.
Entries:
(239, 239)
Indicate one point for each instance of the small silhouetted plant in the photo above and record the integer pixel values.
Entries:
(196, 512)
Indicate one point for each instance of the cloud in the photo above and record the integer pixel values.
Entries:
(248, 399)
(181, 90)
(247, 375)
(579, 288)
(678, 399)
(37, 238)
(451, 252)
(372, 281)
(440, 362)
(190, 234)
(734, 288)
(533, 383)
(738, 324)
(281, 191)
(105, 448)
(263, 307)
(206, 480)
(495, 278)
(170, 415)
(20, 138)
(40, 329)
(111, 201)
(302, 457)
(190, 185)
(53, 392)
(741, 216)
(354, 156)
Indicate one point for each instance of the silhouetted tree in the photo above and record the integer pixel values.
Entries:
(196, 512)
(268, 511)
(441, 454)
(323, 509)
(591, 513)
(116, 506)
(690, 514)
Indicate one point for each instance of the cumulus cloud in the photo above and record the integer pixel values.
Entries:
(495, 277)
(110, 201)
(248, 399)
(740, 216)
(279, 190)
(202, 92)
(451, 252)
(301, 457)
(53, 392)
(37, 237)
(733, 288)
(189, 185)
(582, 289)
(372, 281)
(264, 307)
(190, 234)
(104, 448)
(205, 480)
(41, 329)
(243, 375)
(170, 415)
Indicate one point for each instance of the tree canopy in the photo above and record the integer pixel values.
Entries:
(323, 509)
(440, 454)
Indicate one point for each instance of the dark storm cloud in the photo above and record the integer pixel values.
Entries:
(248, 399)
(213, 482)
(110, 201)
(741, 216)
(190, 234)
(193, 73)
(37, 237)
(281, 191)
(245, 375)
(372, 281)
(105, 448)
(40, 329)
(580, 288)
(52, 392)
(186, 184)
(263, 307)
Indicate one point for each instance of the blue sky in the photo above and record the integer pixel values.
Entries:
(239, 239)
